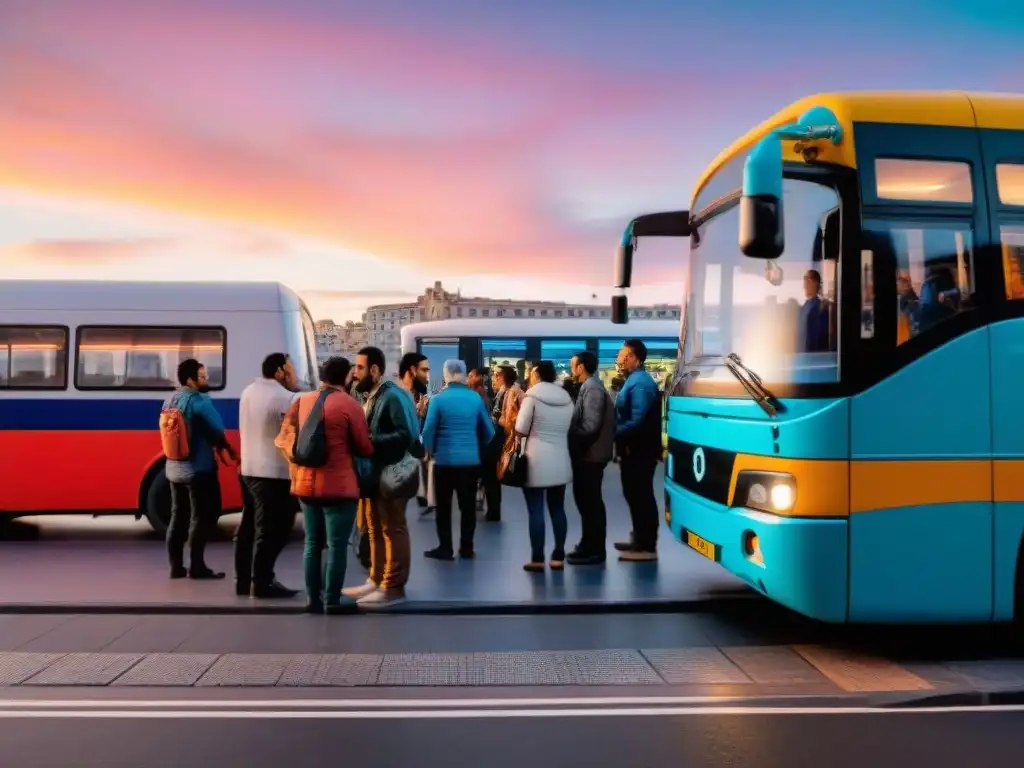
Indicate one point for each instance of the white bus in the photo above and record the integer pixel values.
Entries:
(85, 367)
(490, 342)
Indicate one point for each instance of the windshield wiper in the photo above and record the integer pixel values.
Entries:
(752, 383)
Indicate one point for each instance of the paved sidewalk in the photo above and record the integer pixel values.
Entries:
(751, 671)
(763, 652)
(118, 565)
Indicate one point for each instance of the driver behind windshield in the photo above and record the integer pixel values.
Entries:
(813, 328)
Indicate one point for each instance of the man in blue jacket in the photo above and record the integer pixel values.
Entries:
(195, 481)
(456, 433)
(638, 441)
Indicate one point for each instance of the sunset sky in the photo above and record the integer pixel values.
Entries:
(358, 151)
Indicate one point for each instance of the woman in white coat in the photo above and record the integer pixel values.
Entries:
(543, 423)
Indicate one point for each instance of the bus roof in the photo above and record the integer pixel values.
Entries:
(97, 295)
(564, 328)
(949, 108)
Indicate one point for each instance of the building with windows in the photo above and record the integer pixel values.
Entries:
(384, 322)
(335, 339)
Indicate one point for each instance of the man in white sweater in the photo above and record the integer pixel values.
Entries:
(268, 508)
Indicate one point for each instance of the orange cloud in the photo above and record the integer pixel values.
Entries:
(224, 115)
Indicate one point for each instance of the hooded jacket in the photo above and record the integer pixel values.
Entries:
(544, 419)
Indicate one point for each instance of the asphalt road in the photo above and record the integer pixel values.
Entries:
(514, 737)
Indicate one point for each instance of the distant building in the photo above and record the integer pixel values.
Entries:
(334, 339)
(384, 322)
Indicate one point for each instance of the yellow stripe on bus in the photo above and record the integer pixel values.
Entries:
(834, 488)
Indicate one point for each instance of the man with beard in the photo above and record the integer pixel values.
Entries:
(195, 484)
(414, 376)
(393, 434)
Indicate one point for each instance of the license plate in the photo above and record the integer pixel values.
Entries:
(705, 548)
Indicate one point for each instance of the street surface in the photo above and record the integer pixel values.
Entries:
(507, 737)
(120, 561)
(752, 685)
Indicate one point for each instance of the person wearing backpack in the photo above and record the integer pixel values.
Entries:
(394, 440)
(191, 430)
(322, 434)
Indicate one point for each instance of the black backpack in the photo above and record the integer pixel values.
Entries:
(310, 449)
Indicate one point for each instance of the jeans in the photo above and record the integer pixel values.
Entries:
(555, 497)
(195, 508)
(268, 517)
(327, 523)
(460, 481)
(587, 477)
(638, 488)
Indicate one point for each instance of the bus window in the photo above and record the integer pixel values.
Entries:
(1013, 261)
(935, 272)
(661, 358)
(560, 352)
(1010, 181)
(146, 358)
(309, 334)
(499, 352)
(33, 357)
(436, 353)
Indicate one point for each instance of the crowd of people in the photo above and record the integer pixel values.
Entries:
(352, 455)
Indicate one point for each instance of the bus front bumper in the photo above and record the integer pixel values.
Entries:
(798, 562)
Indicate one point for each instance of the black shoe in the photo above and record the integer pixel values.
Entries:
(577, 551)
(439, 554)
(178, 572)
(466, 553)
(315, 607)
(492, 518)
(272, 591)
(428, 511)
(205, 574)
(242, 588)
(580, 558)
(625, 546)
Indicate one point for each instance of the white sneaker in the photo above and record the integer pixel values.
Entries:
(361, 591)
(381, 598)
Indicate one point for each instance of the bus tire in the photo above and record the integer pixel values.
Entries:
(158, 501)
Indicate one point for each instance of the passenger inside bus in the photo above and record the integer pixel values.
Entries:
(814, 316)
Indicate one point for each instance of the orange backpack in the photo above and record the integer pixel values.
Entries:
(174, 431)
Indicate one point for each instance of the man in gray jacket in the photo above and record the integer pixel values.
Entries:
(591, 439)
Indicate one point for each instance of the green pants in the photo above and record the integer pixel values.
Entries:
(330, 524)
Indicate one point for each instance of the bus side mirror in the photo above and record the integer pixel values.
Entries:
(623, 265)
(620, 310)
(761, 221)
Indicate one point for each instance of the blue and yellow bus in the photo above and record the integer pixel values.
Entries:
(850, 439)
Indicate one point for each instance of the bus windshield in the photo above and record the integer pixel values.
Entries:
(780, 317)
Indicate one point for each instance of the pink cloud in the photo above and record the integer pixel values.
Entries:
(134, 108)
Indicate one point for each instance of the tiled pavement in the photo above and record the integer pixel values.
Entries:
(811, 669)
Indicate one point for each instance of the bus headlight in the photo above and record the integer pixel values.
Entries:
(765, 491)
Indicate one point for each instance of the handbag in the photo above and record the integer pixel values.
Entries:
(400, 480)
(512, 467)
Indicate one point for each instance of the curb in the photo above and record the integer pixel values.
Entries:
(963, 699)
(718, 605)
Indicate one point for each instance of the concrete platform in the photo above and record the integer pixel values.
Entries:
(117, 563)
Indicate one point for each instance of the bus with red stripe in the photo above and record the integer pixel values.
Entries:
(85, 367)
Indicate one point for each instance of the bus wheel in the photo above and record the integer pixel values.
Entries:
(158, 502)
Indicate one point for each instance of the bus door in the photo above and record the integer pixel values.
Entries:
(1003, 152)
(921, 507)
